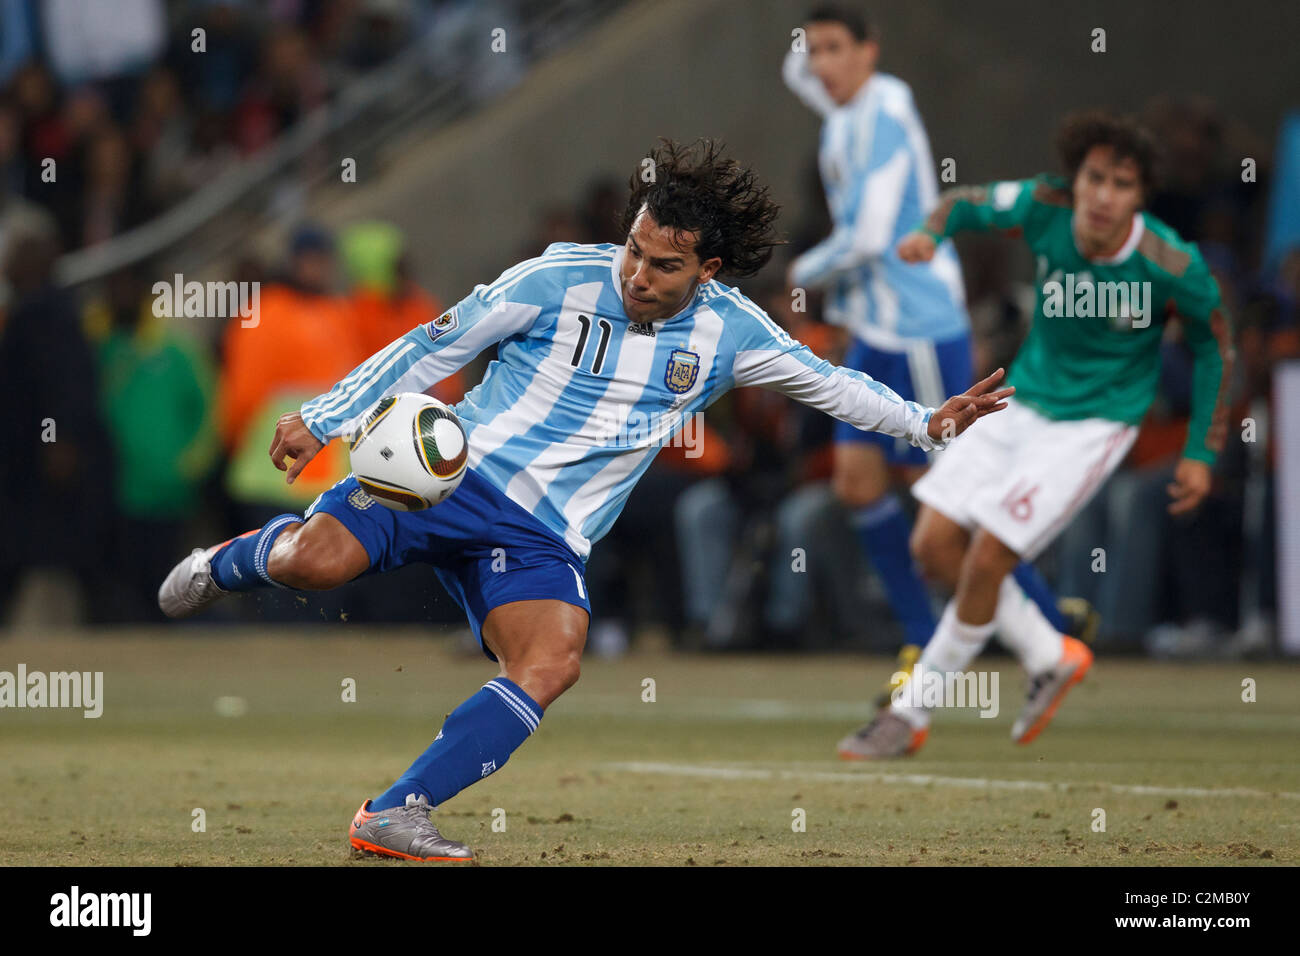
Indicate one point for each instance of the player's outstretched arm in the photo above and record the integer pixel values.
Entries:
(961, 411)
(1207, 330)
(767, 357)
(798, 76)
(1004, 205)
(294, 440)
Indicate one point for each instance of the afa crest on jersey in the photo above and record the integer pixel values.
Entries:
(443, 323)
(359, 499)
(683, 368)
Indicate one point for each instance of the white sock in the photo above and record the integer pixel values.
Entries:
(954, 646)
(1024, 630)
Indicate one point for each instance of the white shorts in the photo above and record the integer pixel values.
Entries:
(1023, 477)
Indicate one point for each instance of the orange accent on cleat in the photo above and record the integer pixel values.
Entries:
(1074, 649)
(359, 819)
(918, 739)
(384, 851)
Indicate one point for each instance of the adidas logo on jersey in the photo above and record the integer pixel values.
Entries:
(642, 328)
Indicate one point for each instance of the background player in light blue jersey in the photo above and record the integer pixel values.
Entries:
(909, 325)
(603, 352)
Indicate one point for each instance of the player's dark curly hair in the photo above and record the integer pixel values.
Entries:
(696, 189)
(1081, 131)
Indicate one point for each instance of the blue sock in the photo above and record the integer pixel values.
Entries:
(476, 739)
(241, 565)
(883, 531)
(1038, 591)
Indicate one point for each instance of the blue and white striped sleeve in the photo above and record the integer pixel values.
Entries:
(864, 230)
(430, 352)
(766, 356)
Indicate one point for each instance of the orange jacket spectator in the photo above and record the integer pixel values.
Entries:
(300, 341)
(380, 319)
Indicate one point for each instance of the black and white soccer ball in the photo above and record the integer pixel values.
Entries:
(410, 452)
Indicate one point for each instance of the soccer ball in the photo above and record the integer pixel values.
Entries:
(410, 452)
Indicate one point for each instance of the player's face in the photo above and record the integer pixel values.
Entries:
(658, 277)
(1107, 192)
(838, 60)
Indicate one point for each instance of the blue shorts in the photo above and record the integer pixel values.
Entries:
(926, 372)
(485, 549)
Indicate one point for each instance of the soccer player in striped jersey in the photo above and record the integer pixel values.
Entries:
(604, 351)
(908, 322)
(1110, 277)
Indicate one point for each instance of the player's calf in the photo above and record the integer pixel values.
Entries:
(539, 644)
(316, 555)
(286, 552)
(939, 544)
(988, 561)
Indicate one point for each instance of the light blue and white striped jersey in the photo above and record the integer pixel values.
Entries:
(580, 398)
(880, 184)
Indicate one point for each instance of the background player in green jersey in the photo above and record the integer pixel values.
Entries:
(1109, 277)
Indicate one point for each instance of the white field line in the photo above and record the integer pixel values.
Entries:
(925, 779)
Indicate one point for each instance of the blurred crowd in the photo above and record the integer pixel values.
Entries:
(112, 112)
(154, 438)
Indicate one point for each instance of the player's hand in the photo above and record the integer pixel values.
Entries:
(916, 247)
(1191, 484)
(293, 439)
(961, 411)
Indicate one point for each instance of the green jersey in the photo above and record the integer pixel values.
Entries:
(1094, 348)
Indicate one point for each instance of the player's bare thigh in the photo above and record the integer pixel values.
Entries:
(860, 474)
(539, 644)
(316, 555)
(939, 545)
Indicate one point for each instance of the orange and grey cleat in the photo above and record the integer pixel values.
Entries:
(405, 833)
(1047, 690)
(887, 736)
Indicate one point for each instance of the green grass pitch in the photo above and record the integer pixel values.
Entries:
(712, 772)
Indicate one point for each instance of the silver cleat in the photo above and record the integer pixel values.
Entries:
(406, 833)
(189, 587)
